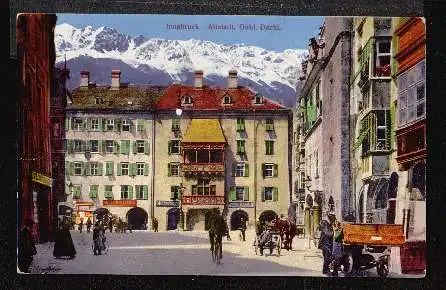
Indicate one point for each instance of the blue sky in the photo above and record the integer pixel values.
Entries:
(295, 30)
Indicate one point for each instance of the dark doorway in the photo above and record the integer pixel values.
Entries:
(236, 219)
(137, 218)
(43, 213)
(173, 218)
(102, 215)
(267, 216)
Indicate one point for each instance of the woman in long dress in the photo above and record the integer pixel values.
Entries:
(98, 239)
(63, 243)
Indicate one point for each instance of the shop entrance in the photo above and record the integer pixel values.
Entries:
(267, 216)
(137, 218)
(173, 218)
(236, 219)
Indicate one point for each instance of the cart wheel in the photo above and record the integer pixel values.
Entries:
(382, 269)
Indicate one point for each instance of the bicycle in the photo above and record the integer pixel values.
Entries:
(217, 252)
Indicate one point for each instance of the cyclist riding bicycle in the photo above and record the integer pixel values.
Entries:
(217, 229)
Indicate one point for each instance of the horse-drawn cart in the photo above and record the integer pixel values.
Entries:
(368, 246)
(268, 239)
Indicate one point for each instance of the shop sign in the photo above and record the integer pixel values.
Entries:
(124, 202)
(42, 179)
(239, 204)
(167, 203)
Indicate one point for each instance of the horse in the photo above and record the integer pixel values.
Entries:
(287, 232)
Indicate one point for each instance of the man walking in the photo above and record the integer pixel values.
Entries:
(326, 240)
(243, 227)
(81, 225)
(88, 225)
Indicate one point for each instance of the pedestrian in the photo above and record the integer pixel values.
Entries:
(88, 225)
(110, 224)
(119, 225)
(129, 226)
(228, 237)
(98, 239)
(27, 247)
(63, 243)
(337, 247)
(242, 227)
(81, 225)
(155, 224)
(326, 240)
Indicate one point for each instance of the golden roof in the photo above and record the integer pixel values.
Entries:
(204, 130)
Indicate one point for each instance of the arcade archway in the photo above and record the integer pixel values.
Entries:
(173, 218)
(137, 218)
(236, 219)
(268, 216)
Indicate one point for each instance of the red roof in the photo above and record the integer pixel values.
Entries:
(207, 98)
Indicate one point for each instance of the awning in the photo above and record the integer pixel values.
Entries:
(204, 131)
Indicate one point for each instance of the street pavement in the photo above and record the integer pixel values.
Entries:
(179, 253)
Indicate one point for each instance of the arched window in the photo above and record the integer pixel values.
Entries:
(258, 99)
(227, 99)
(187, 100)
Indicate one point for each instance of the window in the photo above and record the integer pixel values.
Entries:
(203, 187)
(109, 146)
(94, 146)
(78, 124)
(258, 100)
(77, 168)
(382, 56)
(126, 192)
(173, 169)
(95, 168)
(141, 191)
(108, 191)
(227, 99)
(109, 168)
(124, 169)
(140, 148)
(269, 170)
(240, 124)
(174, 192)
(110, 124)
(175, 125)
(268, 193)
(140, 168)
(240, 147)
(78, 146)
(187, 100)
(140, 125)
(174, 147)
(240, 192)
(412, 95)
(94, 191)
(77, 191)
(126, 125)
(241, 169)
(302, 180)
(269, 125)
(94, 124)
(381, 130)
(269, 147)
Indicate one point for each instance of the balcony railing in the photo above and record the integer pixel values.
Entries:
(202, 199)
(203, 167)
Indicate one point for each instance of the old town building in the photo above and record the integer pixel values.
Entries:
(223, 148)
(410, 100)
(323, 130)
(36, 54)
(109, 150)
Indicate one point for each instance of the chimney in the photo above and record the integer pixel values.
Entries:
(232, 79)
(116, 79)
(198, 79)
(85, 79)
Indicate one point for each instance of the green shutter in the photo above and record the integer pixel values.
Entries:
(119, 170)
(172, 192)
(100, 144)
(145, 192)
(146, 169)
(72, 168)
(69, 146)
(246, 197)
(100, 168)
(87, 169)
(263, 170)
(100, 124)
(117, 127)
(130, 191)
(93, 191)
(243, 146)
(88, 145)
(263, 194)
(109, 168)
(67, 123)
(87, 123)
(146, 147)
(140, 125)
(275, 194)
(276, 170)
(169, 146)
(169, 173)
(232, 193)
(246, 169)
(132, 169)
(82, 168)
(134, 147)
(122, 145)
(103, 123)
(67, 168)
(125, 146)
(115, 147)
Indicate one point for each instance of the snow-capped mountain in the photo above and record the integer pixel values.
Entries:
(160, 61)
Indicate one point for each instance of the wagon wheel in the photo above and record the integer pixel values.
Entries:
(279, 246)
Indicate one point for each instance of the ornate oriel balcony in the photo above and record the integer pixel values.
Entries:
(203, 200)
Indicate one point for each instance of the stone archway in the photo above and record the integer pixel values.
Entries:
(137, 218)
(173, 218)
(236, 218)
(268, 216)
